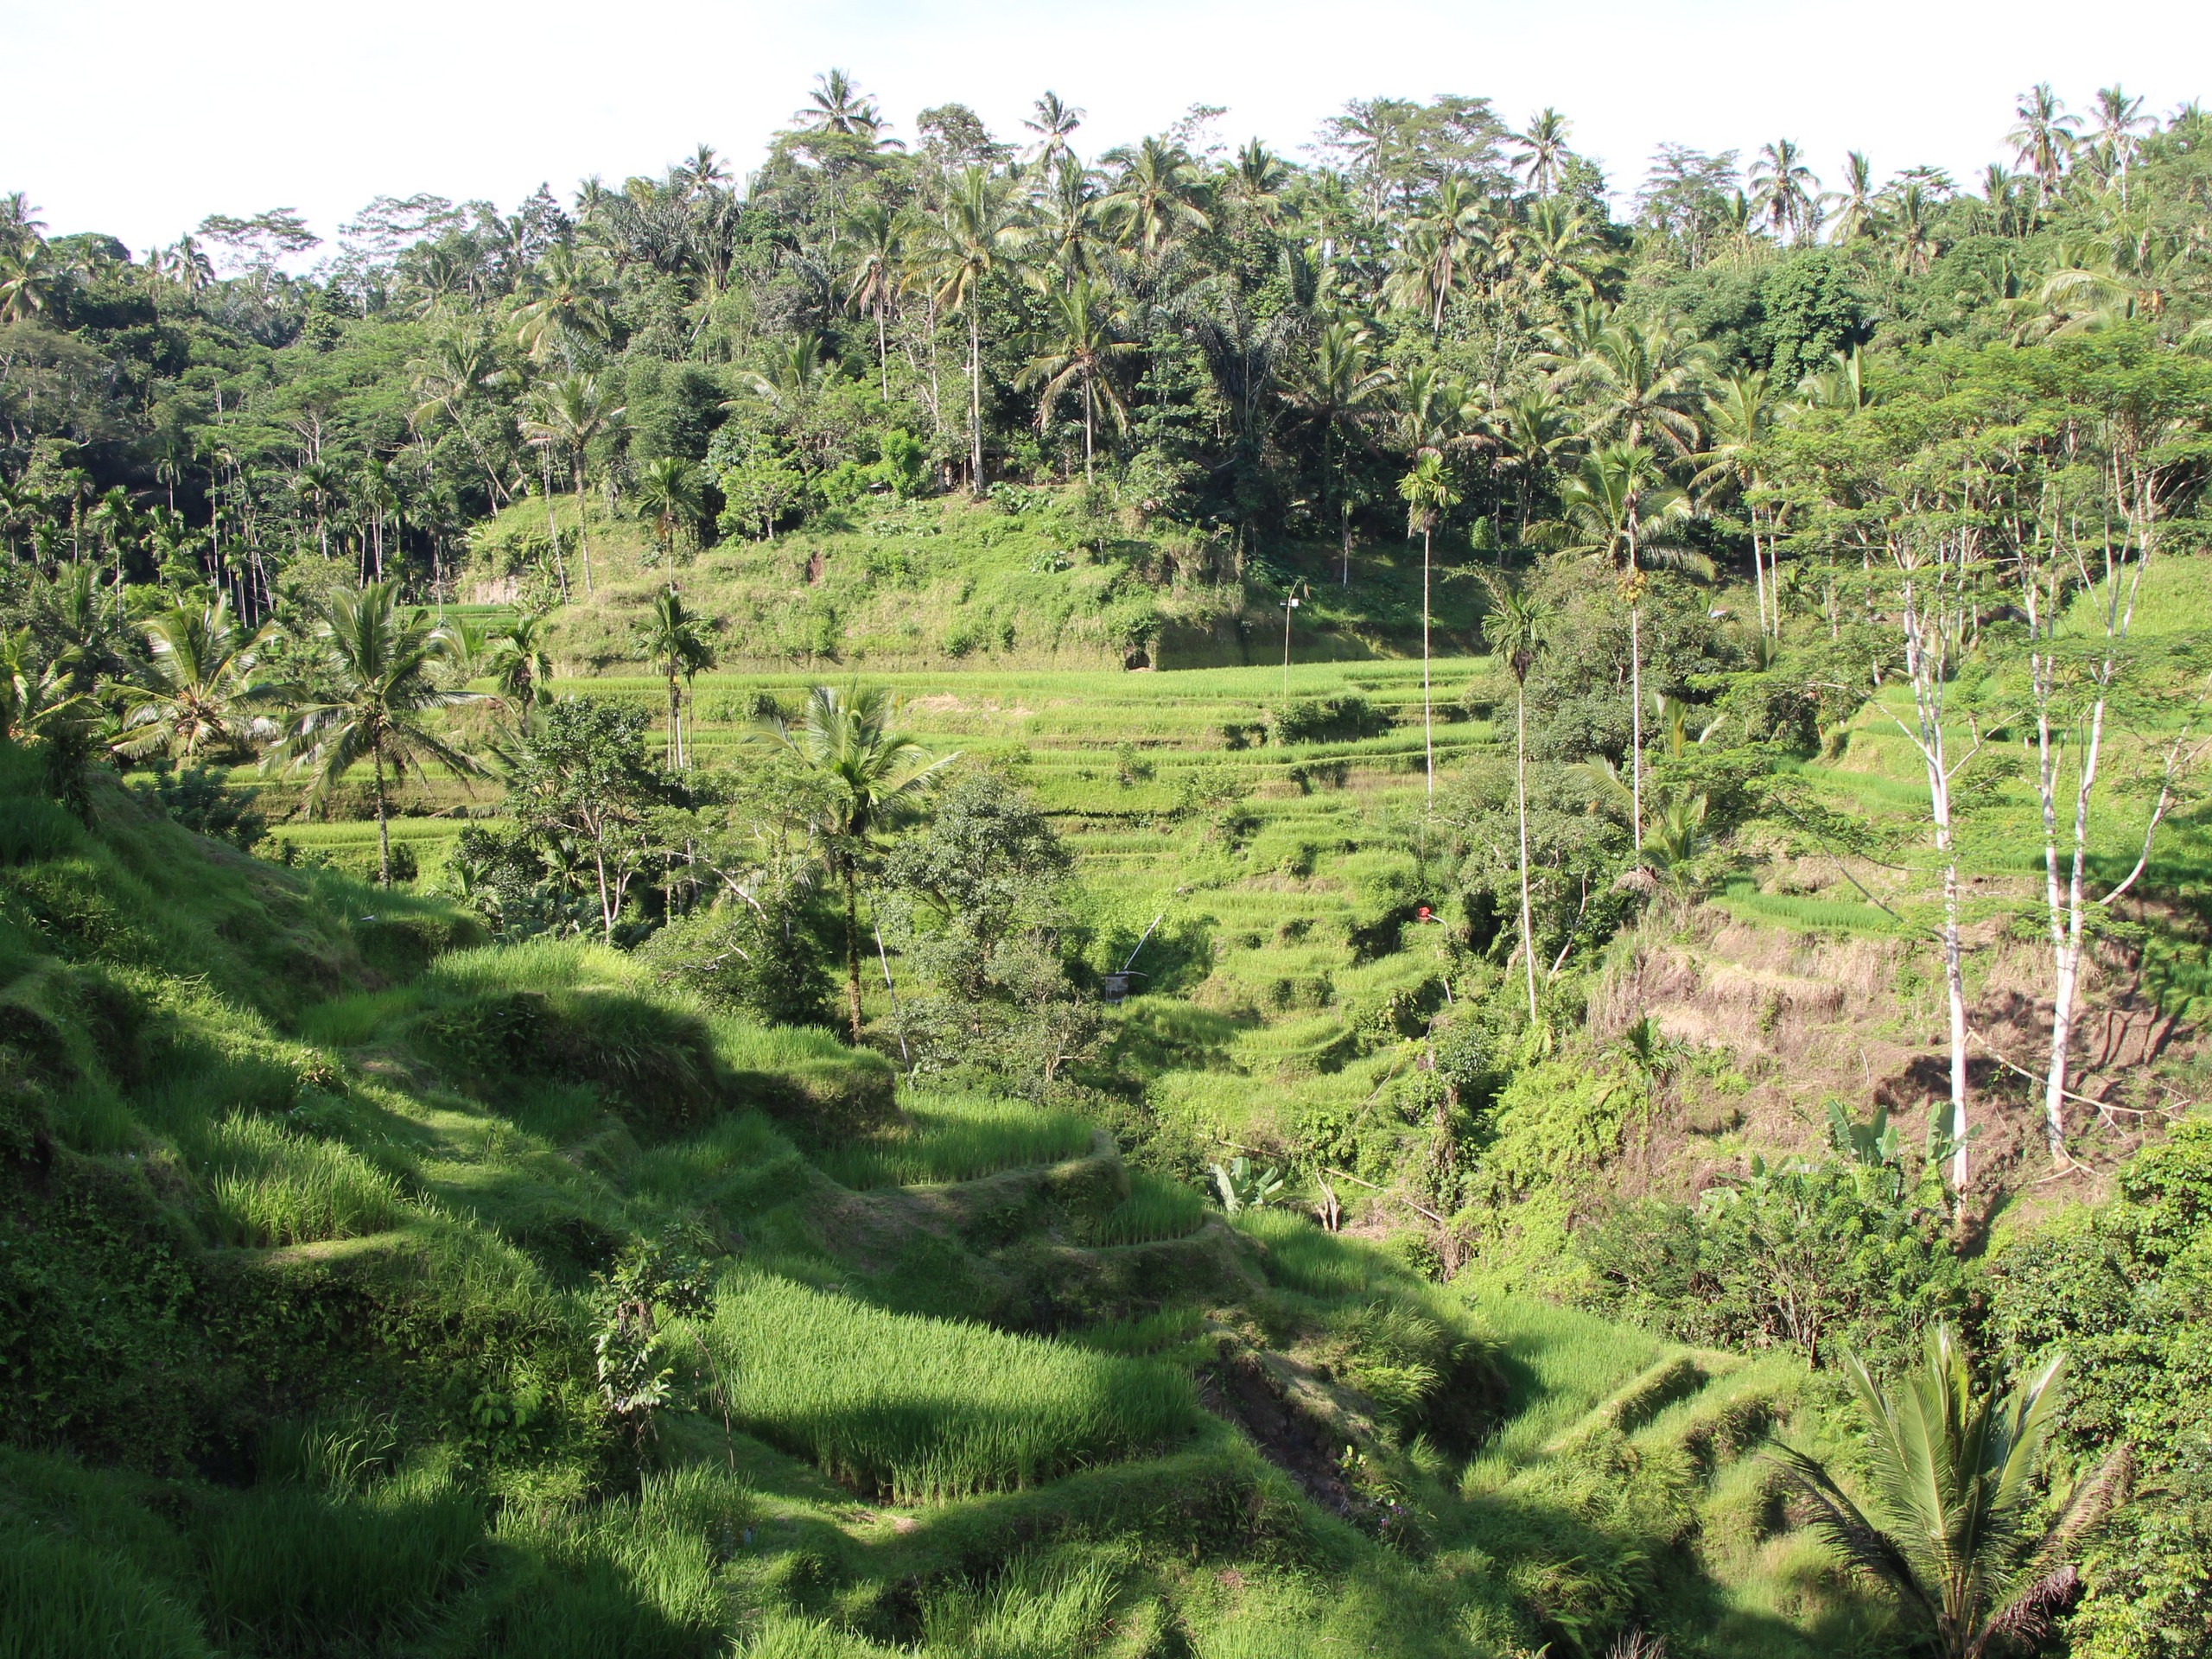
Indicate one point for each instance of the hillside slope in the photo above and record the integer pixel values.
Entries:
(331, 1237)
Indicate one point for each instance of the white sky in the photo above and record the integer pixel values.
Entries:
(140, 116)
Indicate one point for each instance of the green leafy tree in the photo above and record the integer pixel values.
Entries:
(578, 775)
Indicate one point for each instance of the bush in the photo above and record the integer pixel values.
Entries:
(1344, 719)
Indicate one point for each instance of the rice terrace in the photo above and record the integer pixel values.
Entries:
(984, 887)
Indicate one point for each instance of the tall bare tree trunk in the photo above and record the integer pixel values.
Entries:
(853, 953)
(976, 393)
(384, 820)
(1521, 793)
(1427, 716)
(1636, 719)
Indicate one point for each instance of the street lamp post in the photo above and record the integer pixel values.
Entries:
(1289, 604)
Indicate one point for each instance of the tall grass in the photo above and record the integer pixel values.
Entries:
(958, 1138)
(926, 1410)
(271, 1186)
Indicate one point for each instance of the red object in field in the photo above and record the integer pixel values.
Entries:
(1421, 912)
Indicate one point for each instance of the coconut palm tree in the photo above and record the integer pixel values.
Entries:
(1054, 121)
(1739, 416)
(1517, 628)
(976, 231)
(1784, 189)
(669, 493)
(876, 238)
(378, 680)
(1640, 380)
(196, 692)
(1543, 150)
(1952, 1472)
(571, 413)
(1854, 211)
(1426, 492)
(451, 378)
(520, 664)
(1616, 510)
(1532, 433)
(1077, 351)
(2121, 126)
(672, 640)
(1154, 202)
(875, 779)
(567, 309)
(1337, 387)
(2044, 139)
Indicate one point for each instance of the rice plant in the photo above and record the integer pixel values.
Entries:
(958, 1138)
(291, 1567)
(271, 1186)
(59, 1596)
(925, 1409)
(636, 1577)
(1155, 1209)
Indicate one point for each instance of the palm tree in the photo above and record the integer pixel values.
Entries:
(1518, 626)
(1426, 492)
(1339, 381)
(1054, 123)
(1952, 1472)
(2044, 139)
(2121, 126)
(1543, 150)
(1641, 378)
(571, 414)
(1155, 200)
(568, 308)
(1068, 210)
(1433, 261)
(1616, 510)
(975, 230)
(1739, 417)
(451, 378)
(199, 682)
(669, 493)
(378, 681)
(1531, 434)
(837, 104)
(673, 643)
(1854, 211)
(519, 663)
(1783, 189)
(875, 779)
(317, 483)
(877, 237)
(1079, 349)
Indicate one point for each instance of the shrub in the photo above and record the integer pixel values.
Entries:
(1343, 719)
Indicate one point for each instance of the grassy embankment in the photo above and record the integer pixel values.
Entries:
(306, 1189)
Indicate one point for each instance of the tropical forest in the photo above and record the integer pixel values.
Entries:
(984, 896)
